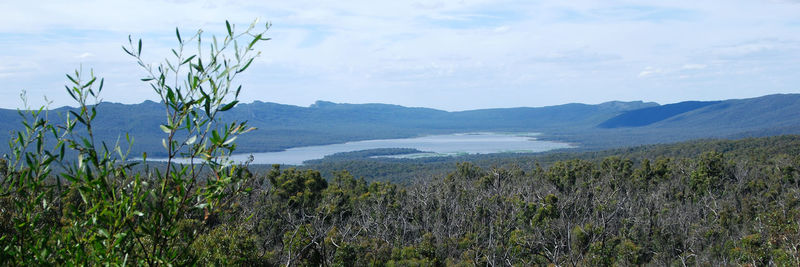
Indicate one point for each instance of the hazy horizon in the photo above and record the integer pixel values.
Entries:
(379, 103)
(448, 55)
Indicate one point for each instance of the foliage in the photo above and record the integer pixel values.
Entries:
(406, 170)
(95, 209)
(710, 208)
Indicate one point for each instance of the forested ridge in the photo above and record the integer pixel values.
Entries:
(665, 205)
(713, 208)
(590, 127)
(399, 170)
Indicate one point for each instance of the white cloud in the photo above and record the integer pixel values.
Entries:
(745, 49)
(694, 66)
(540, 53)
(12, 68)
(650, 71)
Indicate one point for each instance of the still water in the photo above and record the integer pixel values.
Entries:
(434, 145)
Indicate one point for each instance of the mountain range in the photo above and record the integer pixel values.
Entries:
(600, 126)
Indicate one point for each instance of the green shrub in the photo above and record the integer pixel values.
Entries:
(96, 210)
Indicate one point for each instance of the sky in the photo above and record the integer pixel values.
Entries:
(450, 54)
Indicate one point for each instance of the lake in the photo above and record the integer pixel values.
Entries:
(433, 145)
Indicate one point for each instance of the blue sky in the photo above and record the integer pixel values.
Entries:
(450, 54)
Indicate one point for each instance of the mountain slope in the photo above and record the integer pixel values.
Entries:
(606, 125)
(753, 117)
(284, 126)
(650, 115)
(772, 111)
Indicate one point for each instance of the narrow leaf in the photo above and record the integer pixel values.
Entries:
(188, 59)
(228, 106)
(245, 65)
(165, 128)
(191, 140)
(255, 39)
(72, 79)
(229, 141)
(126, 51)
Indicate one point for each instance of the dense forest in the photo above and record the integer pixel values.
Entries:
(713, 208)
(68, 197)
(667, 205)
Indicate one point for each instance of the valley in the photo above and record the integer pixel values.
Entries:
(587, 127)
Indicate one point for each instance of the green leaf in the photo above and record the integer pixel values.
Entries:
(126, 51)
(228, 106)
(195, 82)
(255, 39)
(191, 140)
(245, 66)
(229, 141)
(228, 25)
(89, 83)
(43, 253)
(207, 106)
(178, 33)
(170, 96)
(189, 59)
(103, 233)
(214, 136)
(71, 79)
(165, 128)
(77, 117)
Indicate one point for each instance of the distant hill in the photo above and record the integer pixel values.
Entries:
(753, 117)
(772, 111)
(767, 112)
(605, 125)
(650, 115)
